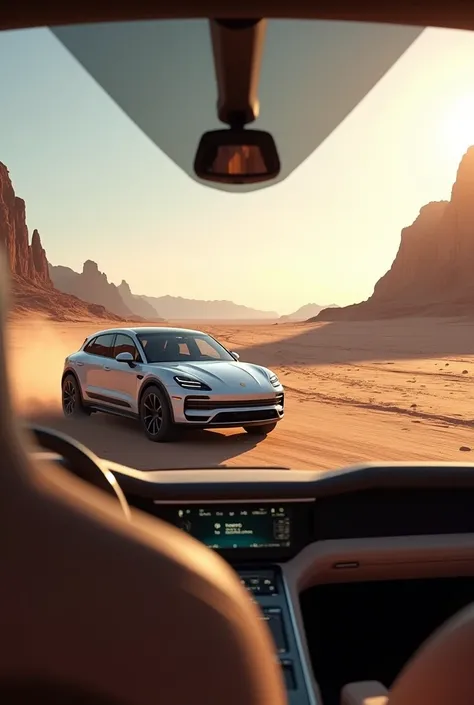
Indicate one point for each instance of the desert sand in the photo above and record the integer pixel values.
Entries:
(395, 390)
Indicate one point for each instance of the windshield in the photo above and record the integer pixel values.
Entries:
(187, 347)
(344, 284)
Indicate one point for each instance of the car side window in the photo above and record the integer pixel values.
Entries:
(103, 345)
(123, 343)
(90, 346)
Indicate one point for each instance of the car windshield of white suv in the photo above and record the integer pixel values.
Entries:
(340, 290)
(169, 347)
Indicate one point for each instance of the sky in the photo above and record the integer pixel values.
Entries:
(96, 187)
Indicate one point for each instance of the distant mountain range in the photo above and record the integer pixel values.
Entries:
(93, 286)
(178, 308)
(305, 312)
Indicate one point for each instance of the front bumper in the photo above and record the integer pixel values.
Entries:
(210, 411)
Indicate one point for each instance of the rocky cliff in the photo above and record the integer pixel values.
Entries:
(24, 260)
(90, 285)
(31, 285)
(432, 271)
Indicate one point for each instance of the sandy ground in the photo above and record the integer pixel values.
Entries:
(378, 391)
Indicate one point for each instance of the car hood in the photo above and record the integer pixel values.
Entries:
(221, 372)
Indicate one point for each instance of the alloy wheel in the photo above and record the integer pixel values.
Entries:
(69, 397)
(153, 414)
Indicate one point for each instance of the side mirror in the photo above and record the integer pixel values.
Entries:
(126, 357)
(235, 355)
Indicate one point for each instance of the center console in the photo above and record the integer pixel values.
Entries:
(254, 537)
(266, 587)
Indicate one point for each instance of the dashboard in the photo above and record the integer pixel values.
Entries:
(273, 515)
(284, 531)
(279, 530)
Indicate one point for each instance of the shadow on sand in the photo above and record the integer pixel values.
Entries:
(122, 441)
(345, 342)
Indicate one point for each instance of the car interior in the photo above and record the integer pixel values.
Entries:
(256, 586)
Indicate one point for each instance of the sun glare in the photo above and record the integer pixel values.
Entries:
(458, 126)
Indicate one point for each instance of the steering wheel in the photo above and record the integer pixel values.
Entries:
(82, 462)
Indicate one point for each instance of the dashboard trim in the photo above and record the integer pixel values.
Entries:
(393, 557)
(243, 485)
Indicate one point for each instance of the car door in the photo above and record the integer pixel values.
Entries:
(122, 380)
(81, 361)
(97, 367)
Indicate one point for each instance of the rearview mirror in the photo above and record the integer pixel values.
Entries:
(126, 357)
(237, 157)
(235, 355)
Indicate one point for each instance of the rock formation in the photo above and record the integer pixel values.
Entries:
(30, 282)
(432, 271)
(39, 260)
(24, 260)
(90, 285)
(137, 304)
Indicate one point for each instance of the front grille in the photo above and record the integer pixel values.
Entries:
(206, 404)
(244, 416)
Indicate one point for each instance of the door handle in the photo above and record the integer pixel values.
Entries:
(106, 368)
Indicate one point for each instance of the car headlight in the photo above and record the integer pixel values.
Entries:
(190, 383)
(274, 381)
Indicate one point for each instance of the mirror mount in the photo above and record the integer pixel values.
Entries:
(237, 156)
(235, 355)
(126, 358)
(237, 46)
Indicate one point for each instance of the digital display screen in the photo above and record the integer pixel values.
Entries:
(237, 526)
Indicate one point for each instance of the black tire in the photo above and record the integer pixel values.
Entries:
(261, 430)
(71, 398)
(155, 416)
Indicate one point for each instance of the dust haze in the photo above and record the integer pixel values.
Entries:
(37, 351)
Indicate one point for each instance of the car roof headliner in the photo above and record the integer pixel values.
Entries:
(458, 14)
